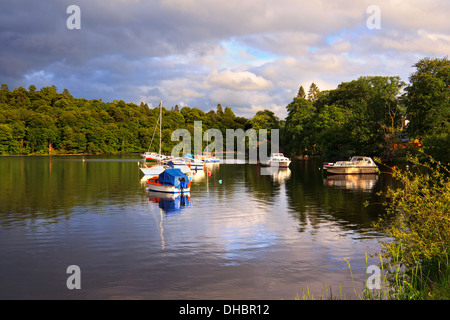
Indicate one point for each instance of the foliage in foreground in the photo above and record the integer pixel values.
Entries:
(418, 212)
(414, 264)
(418, 222)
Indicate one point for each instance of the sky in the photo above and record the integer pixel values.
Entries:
(248, 55)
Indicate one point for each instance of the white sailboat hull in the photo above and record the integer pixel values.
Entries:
(166, 189)
(152, 171)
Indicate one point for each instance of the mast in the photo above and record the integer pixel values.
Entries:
(160, 125)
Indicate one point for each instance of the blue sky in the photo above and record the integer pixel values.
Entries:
(249, 54)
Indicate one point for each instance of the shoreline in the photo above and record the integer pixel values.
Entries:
(70, 154)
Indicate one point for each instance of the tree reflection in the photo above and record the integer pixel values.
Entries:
(315, 199)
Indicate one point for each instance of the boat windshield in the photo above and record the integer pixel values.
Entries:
(362, 160)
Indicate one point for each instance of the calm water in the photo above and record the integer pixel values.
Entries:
(252, 237)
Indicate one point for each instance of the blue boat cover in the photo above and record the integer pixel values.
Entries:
(174, 177)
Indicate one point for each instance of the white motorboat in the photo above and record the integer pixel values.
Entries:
(356, 165)
(278, 160)
(196, 164)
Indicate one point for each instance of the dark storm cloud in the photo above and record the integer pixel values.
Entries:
(254, 53)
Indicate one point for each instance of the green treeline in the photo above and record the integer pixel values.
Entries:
(367, 116)
(45, 121)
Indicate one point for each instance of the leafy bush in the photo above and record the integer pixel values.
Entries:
(418, 221)
(419, 211)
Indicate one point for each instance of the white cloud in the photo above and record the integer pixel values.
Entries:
(238, 80)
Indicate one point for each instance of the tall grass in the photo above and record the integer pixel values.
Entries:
(423, 281)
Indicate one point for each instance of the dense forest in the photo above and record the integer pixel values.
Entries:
(365, 116)
(48, 122)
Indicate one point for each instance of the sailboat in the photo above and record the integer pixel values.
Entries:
(153, 157)
(170, 181)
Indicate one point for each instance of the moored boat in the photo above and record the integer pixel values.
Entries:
(170, 181)
(356, 165)
(278, 160)
(196, 164)
(153, 157)
(178, 162)
(152, 170)
(207, 157)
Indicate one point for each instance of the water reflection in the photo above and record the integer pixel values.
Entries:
(278, 174)
(315, 200)
(170, 203)
(365, 183)
(232, 243)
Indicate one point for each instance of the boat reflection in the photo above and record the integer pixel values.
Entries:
(170, 203)
(279, 174)
(197, 175)
(364, 183)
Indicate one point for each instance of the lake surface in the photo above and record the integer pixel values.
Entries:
(252, 236)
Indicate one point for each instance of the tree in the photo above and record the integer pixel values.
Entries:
(6, 136)
(313, 93)
(356, 117)
(219, 109)
(299, 121)
(301, 93)
(67, 94)
(427, 97)
(4, 93)
(265, 119)
(374, 110)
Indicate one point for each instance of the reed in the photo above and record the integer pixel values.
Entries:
(424, 281)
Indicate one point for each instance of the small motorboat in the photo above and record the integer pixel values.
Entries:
(356, 165)
(170, 181)
(194, 162)
(278, 160)
(178, 162)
